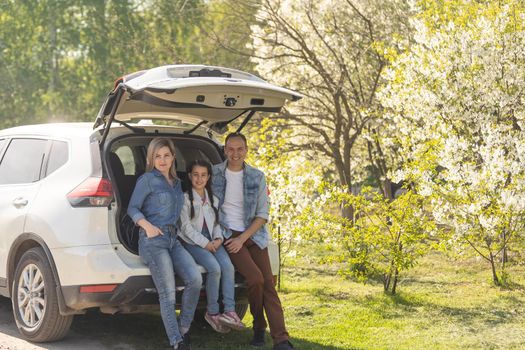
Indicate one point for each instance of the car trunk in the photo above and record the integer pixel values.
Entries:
(126, 162)
(186, 94)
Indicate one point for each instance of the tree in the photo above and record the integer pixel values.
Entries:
(387, 238)
(458, 116)
(292, 182)
(226, 30)
(334, 53)
(59, 59)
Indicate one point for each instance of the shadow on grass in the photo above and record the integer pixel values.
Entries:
(146, 331)
(306, 271)
(403, 305)
(512, 286)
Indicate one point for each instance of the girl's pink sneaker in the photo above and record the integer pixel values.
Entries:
(231, 319)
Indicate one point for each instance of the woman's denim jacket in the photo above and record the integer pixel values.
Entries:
(155, 200)
(256, 202)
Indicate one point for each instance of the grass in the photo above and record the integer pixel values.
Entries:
(441, 304)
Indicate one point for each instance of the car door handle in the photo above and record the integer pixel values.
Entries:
(20, 202)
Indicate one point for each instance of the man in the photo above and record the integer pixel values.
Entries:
(243, 200)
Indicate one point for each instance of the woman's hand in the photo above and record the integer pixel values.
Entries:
(151, 230)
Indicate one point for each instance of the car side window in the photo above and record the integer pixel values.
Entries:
(58, 156)
(128, 161)
(22, 161)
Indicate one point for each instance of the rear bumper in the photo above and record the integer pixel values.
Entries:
(134, 293)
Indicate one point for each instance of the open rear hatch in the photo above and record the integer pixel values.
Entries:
(193, 94)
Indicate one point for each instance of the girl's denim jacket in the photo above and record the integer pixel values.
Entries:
(155, 200)
(256, 201)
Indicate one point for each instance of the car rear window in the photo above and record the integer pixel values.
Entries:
(22, 161)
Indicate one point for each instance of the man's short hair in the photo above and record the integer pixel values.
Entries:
(235, 134)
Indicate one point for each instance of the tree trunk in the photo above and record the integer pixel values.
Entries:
(504, 257)
(495, 277)
(386, 281)
(394, 285)
(347, 211)
(387, 189)
(391, 271)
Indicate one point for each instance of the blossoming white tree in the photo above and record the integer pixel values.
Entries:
(292, 181)
(458, 113)
(333, 52)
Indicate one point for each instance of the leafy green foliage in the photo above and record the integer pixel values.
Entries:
(385, 238)
(60, 58)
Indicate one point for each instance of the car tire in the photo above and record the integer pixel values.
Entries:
(35, 301)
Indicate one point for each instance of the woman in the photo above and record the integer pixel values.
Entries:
(203, 239)
(155, 206)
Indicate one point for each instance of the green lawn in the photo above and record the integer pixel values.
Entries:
(441, 305)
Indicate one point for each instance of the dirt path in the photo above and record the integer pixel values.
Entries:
(85, 334)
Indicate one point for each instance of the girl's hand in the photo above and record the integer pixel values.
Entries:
(217, 242)
(211, 247)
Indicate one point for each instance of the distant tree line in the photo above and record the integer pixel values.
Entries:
(58, 59)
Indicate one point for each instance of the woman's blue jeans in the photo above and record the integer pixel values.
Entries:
(165, 257)
(219, 271)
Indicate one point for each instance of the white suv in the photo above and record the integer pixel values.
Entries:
(66, 243)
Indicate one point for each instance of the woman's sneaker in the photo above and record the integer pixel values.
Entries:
(231, 319)
(215, 323)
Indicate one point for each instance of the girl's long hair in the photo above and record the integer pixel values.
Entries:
(153, 147)
(205, 164)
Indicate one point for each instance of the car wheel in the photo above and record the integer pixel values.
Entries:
(35, 300)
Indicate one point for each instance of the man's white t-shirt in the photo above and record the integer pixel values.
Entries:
(233, 205)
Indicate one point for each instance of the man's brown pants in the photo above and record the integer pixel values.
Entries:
(253, 263)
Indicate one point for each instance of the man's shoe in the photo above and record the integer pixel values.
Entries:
(186, 341)
(284, 345)
(181, 346)
(258, 338)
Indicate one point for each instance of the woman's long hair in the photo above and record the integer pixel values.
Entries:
(205, 164)
(153, 147)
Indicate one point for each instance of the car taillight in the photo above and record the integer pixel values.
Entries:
(92, 192)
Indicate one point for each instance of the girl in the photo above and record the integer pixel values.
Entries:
(155, 206)
(202, 237)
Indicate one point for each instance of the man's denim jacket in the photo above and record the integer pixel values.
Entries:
(155, 200)
(256, 202)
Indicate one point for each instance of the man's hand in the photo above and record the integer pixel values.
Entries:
(233, 245)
